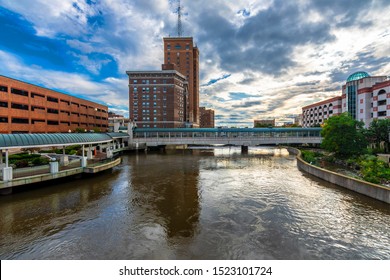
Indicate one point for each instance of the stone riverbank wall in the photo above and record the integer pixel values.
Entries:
(378, 192)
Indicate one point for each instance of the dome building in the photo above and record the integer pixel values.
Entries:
(363, 96)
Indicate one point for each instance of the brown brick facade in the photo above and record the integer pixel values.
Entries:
(27, 108)
(206, 117)
(157, 99)
(182, 52)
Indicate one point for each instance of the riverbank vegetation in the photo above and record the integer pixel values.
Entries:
(350, 147)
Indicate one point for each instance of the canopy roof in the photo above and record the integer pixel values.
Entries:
(25, 140)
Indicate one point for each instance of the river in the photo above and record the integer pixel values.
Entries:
(195, 204)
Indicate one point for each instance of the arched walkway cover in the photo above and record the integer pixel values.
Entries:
(9, 141)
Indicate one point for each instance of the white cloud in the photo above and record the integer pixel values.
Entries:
(113, 90)
(130, 32)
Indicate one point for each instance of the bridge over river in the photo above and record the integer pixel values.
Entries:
(226, 136)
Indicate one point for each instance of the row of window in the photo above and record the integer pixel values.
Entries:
(48, 110)
(49, 122)
(48, 98)
(178, 47)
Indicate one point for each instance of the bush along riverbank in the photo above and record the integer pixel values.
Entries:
(366, 167)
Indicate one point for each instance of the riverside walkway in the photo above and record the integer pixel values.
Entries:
(97, 154)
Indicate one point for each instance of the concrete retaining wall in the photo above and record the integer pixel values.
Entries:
(102, 167)
(378, 192)
(40, 178)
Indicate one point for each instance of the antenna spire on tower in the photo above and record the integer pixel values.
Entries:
(179, 26)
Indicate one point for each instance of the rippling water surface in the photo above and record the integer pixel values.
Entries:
(195, 204)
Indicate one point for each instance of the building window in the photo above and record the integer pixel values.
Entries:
(33, 94)
(19, 120)
(382, 102)
(37, 121)
(52, 111)
(19, 92)
(3, 88)
(382, 114)
(4, 104)
(66, 102)
(52, 99)
(52, 122)
(3, 120)
(19, 106)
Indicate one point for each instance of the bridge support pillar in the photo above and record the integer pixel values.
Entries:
(7, 174)
(244, 149)
(53, 167)
(64, 160)
(83, 161)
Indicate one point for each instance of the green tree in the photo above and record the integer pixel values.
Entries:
(378, 133)
(344, 136)
(80, 130)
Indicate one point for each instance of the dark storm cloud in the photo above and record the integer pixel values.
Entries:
(246, 104)
(348, 9)
(266, 41)
(247, 81)
(313, 83)
(313, 73)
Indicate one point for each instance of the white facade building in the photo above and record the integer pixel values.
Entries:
(364, 97)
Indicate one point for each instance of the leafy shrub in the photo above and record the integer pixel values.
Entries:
(23, 156)
(21, 163)
(40, 161)
(374, 170)
(309, 156)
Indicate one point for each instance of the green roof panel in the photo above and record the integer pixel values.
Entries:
(51, 139)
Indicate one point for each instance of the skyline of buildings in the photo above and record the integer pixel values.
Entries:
(86, 50)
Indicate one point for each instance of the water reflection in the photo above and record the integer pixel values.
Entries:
(170, 191)
(195, 204)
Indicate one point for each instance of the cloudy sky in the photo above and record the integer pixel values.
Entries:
(265, 58)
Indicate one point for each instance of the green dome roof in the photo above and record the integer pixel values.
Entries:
(357, 76)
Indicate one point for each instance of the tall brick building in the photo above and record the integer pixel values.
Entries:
(27, 108)
(182, 52)
(158, 98)
(206, 117)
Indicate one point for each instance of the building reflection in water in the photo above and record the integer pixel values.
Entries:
(169, 190)
(34, 211)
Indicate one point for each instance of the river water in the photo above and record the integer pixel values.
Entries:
(195, 204)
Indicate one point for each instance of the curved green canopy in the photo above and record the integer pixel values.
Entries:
(25, 140)
(357, 76)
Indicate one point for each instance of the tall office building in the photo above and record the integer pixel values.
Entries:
(158, 98)
(206, 117)
(182, 52)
